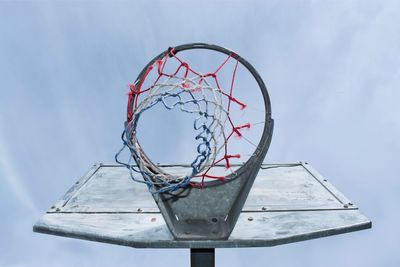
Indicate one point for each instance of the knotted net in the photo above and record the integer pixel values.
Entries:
(195, 93)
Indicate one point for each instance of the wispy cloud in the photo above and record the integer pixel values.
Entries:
(12, 179)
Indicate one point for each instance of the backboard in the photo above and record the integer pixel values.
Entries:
(287, 203)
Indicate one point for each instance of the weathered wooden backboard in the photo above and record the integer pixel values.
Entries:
(287, 203)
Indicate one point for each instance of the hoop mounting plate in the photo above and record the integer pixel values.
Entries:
(287, 203)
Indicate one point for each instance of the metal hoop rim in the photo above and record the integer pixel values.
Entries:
(255, 161)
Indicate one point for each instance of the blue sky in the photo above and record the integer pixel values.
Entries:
(332, 69)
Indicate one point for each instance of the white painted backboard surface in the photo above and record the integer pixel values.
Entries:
(287, 203)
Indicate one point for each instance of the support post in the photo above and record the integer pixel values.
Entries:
(202, 257)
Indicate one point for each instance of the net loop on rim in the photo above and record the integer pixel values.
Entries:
(194, 93)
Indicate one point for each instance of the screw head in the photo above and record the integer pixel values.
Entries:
(250, 219)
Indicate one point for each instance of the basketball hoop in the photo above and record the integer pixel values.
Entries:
(202, 95)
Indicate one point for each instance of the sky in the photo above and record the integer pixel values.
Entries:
(332, 69)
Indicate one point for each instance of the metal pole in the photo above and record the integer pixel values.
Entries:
(202, 257)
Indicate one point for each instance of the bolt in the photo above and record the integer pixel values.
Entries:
(350, 204)
(250, 219)
(58, 209)
(264, 208)
(325, 180)
(346, 206)
(139, 210)
(53, 207)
